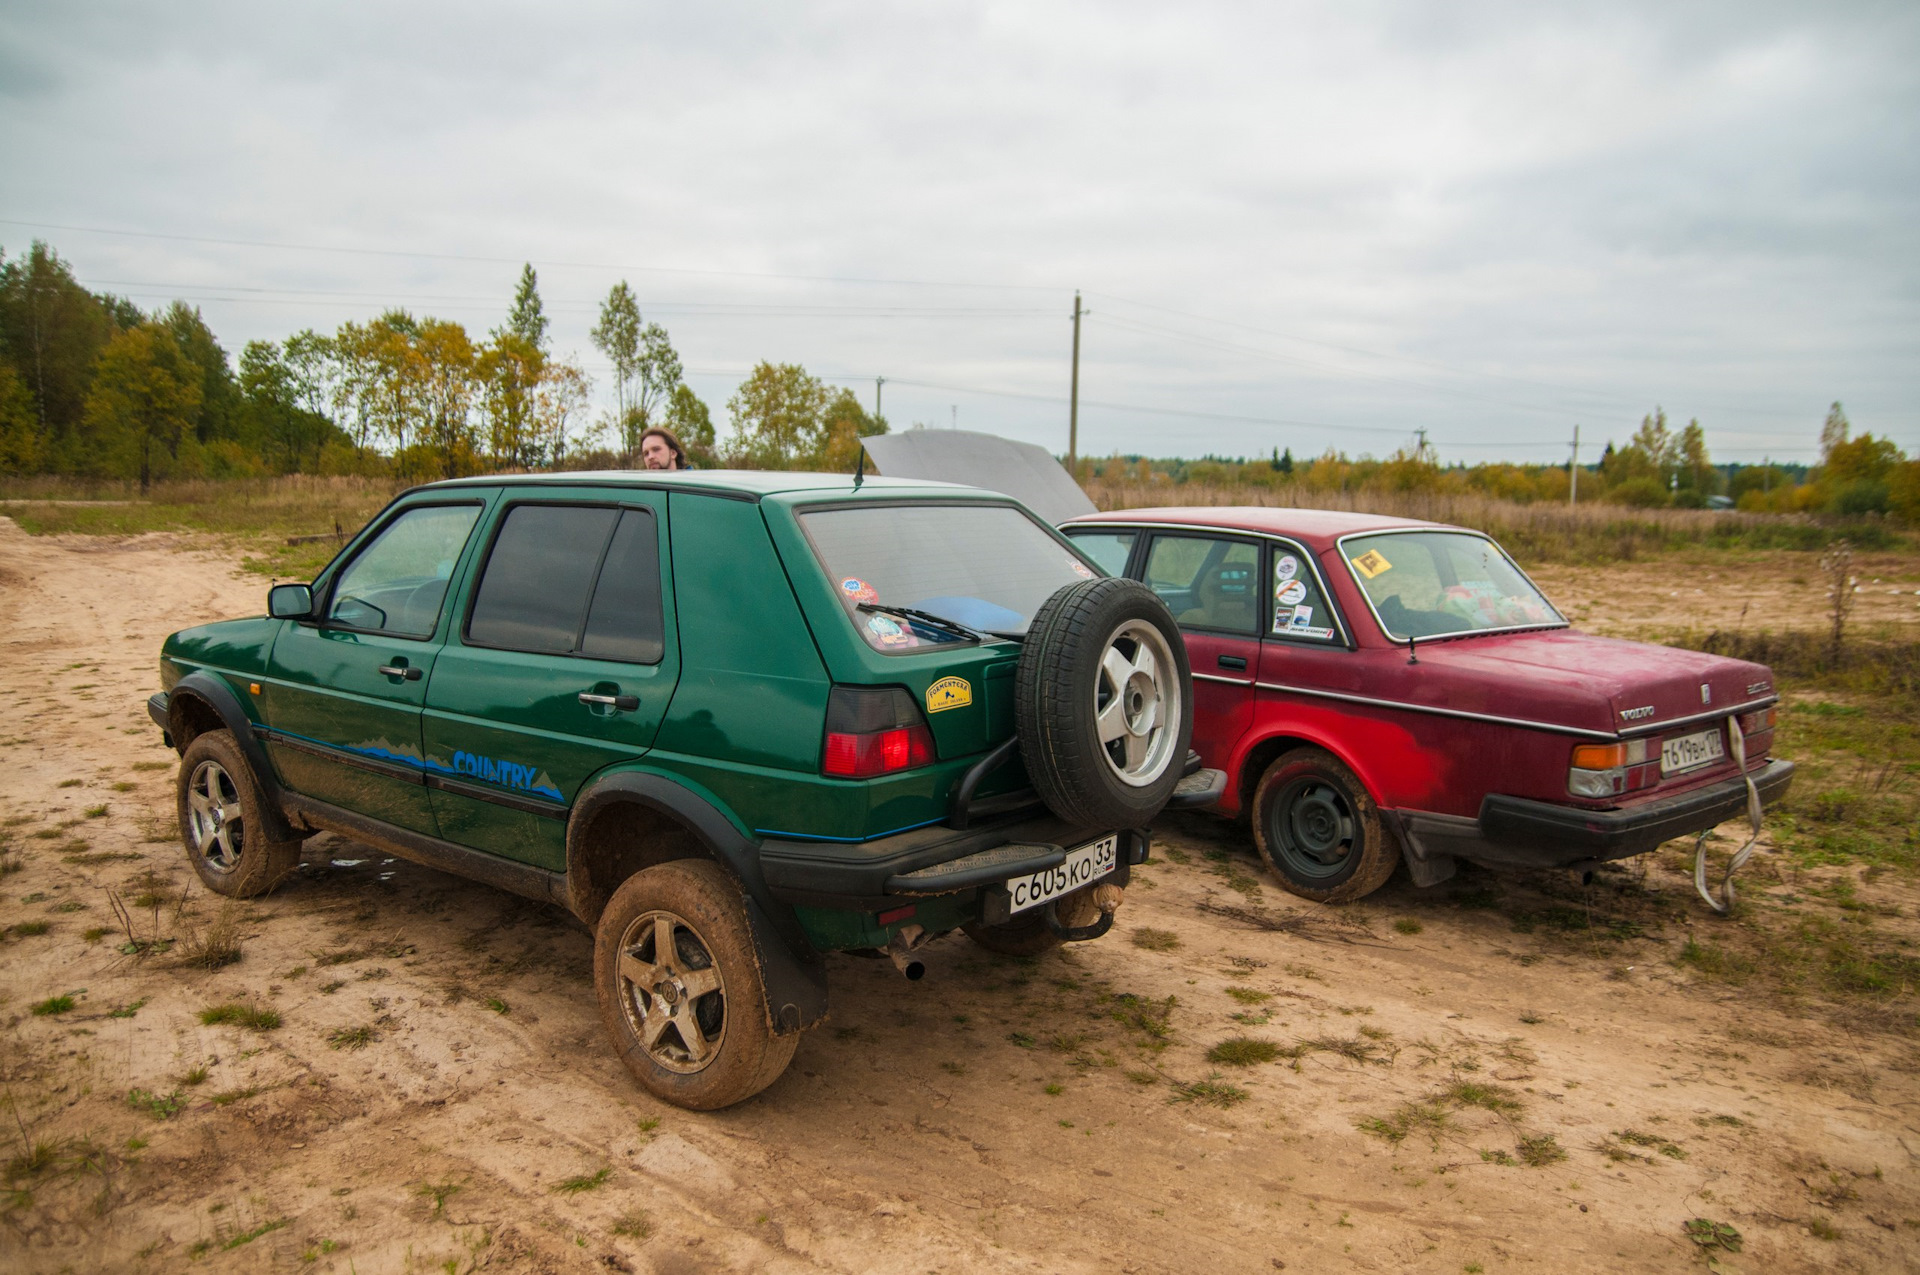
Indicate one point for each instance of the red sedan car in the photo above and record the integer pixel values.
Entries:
(1378, 689)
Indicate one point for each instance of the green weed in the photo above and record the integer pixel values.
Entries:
(159, 1106)
(1155, 940)
(1212, 1091)
(260, 1020)
(585, 1182)
(52, 1005)
(1243, 1051)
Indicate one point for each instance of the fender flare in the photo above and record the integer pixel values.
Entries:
(795, 976)
(212, 690)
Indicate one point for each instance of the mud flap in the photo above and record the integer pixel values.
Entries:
(1423, 865)
(796, 989)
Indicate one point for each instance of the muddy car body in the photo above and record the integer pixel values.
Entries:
(1378, 688)
(733, 721)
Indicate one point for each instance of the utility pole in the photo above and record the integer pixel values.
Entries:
(1421, 454)
(1573, 471)
(1073, 398)
(956, 417)
(878, 381)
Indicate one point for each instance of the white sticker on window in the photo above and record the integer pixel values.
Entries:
(1291, 593)
(1285, 567)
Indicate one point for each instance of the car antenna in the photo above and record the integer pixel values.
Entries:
(860, 467)
(1413, 656)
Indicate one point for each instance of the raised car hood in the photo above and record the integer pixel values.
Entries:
(1640, 684)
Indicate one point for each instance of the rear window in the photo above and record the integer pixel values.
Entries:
(988, 567)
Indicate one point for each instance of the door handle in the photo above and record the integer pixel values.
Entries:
(619, 703)
(401, 670)
(1234, 662)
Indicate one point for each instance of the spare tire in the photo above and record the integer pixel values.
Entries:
(1103, 703)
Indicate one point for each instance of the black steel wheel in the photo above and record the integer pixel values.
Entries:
(1316, 825)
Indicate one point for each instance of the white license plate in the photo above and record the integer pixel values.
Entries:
(1689, 751)
(1082, 867)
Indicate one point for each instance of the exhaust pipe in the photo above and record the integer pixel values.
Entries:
(900, 952)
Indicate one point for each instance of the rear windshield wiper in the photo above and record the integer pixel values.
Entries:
(939, 621)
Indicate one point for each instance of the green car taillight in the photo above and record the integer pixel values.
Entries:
(874, 730)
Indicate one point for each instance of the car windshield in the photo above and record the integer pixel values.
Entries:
(987, 567)
(1430, 583)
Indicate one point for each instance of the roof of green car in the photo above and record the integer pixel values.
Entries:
(736, 482)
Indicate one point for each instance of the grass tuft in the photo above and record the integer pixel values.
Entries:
(260, 1020)
(1212, 1091)
(584, 1182)
(1154, 940)
(159, 1106)
(52, 1005)
(1243, 1051)
(351, 1037)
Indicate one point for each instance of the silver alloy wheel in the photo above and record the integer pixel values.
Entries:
(671, 992)
(1137, 704)
(214, 822)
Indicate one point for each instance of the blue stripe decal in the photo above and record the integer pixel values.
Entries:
(814, 836)
(484, 769)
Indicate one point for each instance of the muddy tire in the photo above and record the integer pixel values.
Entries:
(1103, 703)
(680, 989)
(223, 821)
(1318, 828)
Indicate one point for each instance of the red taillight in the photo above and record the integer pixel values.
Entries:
(874, 731)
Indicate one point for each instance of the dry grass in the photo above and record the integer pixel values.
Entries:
(1545, 531)
(213, 945)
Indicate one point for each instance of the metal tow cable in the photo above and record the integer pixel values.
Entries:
(1724, 904)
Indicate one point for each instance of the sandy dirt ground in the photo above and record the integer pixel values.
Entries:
(437, 1095)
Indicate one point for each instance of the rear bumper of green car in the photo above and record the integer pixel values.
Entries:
(932, 862)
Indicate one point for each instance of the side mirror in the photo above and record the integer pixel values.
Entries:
(290, 602)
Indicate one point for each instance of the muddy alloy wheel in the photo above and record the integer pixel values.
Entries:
(1315, 823)
(681, 994)
(216, 823)
(220, 811)
(674, 999)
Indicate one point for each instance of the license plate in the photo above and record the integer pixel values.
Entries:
(1082, 867)
(1689, 751)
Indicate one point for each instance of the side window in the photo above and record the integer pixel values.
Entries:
(1300, 609)
(1109, 549)
(571, 580)
(1207, 583)
(397, 583)
(624, 622)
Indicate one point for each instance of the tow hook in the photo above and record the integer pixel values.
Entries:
(1084, 914)
(900, 948)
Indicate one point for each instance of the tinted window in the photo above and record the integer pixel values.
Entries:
(1207, 583)
(533, 594)
(1109, 549)
(624, 621)
(1300, 610)
(396, 584)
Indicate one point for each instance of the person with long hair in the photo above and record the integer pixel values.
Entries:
(659, 449)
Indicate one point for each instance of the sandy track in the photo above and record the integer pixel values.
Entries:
(997, 1116)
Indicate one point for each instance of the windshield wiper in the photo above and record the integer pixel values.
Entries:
(940, 621)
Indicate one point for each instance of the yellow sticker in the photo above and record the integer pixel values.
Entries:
(1371, 563)
(949, 692)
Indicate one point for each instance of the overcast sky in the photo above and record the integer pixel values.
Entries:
(1296, 225)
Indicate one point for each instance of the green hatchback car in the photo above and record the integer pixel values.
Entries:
(732, 721)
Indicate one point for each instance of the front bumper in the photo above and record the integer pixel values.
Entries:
(926, 862)
(1520, 832)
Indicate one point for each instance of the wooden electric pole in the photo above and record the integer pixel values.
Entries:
(1573, 471)
(1073, 398)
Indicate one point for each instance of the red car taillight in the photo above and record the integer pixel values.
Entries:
(874, 730)
(1608, 770)
(1761, 719)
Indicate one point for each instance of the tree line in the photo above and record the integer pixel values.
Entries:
(93, 386)
(1658, 467)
